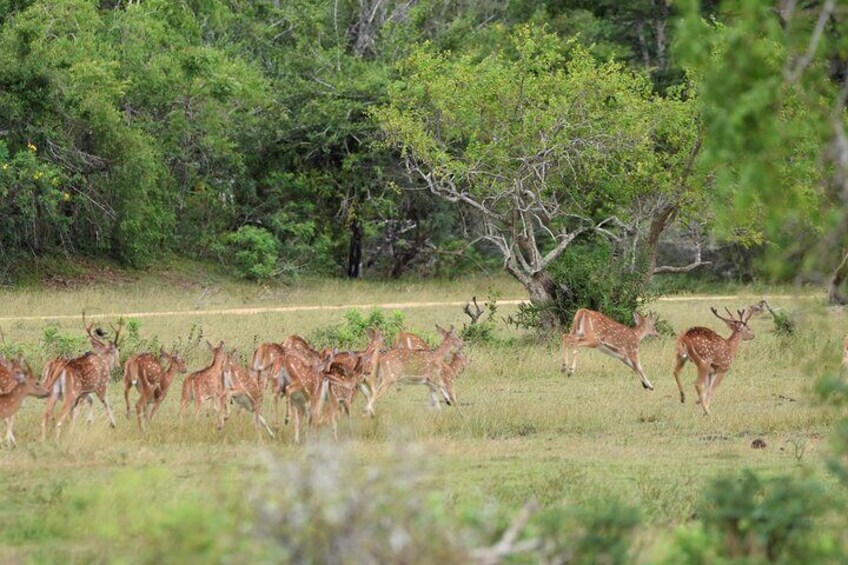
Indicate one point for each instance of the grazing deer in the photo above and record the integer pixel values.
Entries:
(205, 384)
(82, 376)
(245, 387)
(406, 340)
(145, 373)
(10, 402)
(711, 353)
(415, 367)
(593, 329)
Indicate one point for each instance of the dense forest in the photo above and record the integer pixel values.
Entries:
(382, 137)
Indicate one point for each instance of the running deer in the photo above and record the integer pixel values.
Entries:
(711, 353)
(354, 368)
(82, 376)
(10, 402)
(146, 373)
(405, 340)
(415, 367)
(307, 385)
(205, 384)
(246, 388)
(593, 329)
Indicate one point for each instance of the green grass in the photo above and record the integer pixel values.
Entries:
(522, 430)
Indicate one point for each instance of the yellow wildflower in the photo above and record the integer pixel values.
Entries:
(5, 166)
(31, 147)
(66, 196)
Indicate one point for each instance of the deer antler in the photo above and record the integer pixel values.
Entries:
(117, 330)
(478, 311)
(91, 335)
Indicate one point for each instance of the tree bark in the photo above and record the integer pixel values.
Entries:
(834, 295)
(354, 256)
(543, 294)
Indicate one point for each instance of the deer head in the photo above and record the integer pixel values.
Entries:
(646, 323)
(735, 325)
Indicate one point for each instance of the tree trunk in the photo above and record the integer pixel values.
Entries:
(354, 256)
(543, 293)
(834, 295)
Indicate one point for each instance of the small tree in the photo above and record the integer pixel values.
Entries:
(540, 148)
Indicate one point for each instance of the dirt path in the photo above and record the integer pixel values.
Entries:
(386, 305)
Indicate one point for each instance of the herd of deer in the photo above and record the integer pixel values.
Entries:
(316, 385)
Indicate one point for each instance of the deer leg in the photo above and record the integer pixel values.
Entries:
(566, 342)
(90, 417)
(681, 361)
(633, 362)
(714, 382)
(67, 406)
(48, 414)
(297, 426)
(140, 406)
(127, 386)
(10, 437)
(101, 394)
(434, 396)
(699, 387)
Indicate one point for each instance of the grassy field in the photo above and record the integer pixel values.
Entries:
(522, 429)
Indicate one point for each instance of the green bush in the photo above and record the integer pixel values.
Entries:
(483, 331)
(352, 332)
(589, 275)
(748, 518)
(601, 534)
(250, 252)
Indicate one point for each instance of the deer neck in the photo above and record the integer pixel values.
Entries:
(733, 342)
(15, 398)
(442, 349)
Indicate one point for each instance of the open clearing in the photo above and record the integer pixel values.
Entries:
(522, 429)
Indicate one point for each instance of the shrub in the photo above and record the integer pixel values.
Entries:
(250, 252)
(351, 333)
(483, 330)
(590, 276)
(747, 517)
(601, 534)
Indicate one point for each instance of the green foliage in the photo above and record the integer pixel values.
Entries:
(351, 333)
(769, 145)
(603, 533)
(250, 252)
(590, 276)
(483, 331)
(747, 517)
(56, 343)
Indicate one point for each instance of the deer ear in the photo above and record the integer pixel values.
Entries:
(636, 318)
(441, 330)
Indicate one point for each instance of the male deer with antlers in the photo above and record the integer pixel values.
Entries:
(82, 376)
(711, 353)
(593, 329)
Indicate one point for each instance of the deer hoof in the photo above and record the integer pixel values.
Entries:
(682, 399)
(647, 386)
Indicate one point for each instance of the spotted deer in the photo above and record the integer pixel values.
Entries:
(406, 340)
(246, 388)
(711, 353)
(82, 376)
(206, 384)
(415, 367)
(11, 401)
(146, 373)
(354, 368)
(593, 329)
